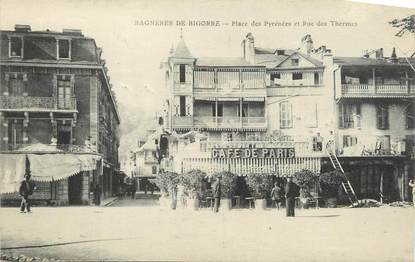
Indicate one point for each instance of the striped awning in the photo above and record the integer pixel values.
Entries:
(228, 99)
(43, 167)
(202, 98)
(282, 167)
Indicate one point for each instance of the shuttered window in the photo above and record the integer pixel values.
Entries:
(286, 118)
(382, 117)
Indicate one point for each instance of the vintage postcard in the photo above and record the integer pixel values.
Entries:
(206, 131)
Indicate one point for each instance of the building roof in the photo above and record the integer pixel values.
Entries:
(362, 61)
(181, 50)
(271, 59)
(224, 61)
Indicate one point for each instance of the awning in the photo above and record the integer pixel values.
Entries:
(228, 99)
(12, 168)
(202, 98)
(49, 167)
(43, 168)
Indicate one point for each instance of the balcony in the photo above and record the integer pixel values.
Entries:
(366, 90)
(230, 122)
(30, 103)
(182, 122)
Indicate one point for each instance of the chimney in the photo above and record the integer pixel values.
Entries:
(22, 28)
(379, 53)
(394, 58)
(249, 48)
(306, 44)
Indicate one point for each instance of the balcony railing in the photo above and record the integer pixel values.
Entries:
(182, 121)
(230, 122)
(42, 103)
(377, 90)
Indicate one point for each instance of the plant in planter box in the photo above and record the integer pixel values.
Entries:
(228, 186)
(167, 182)
(306, 180)
(192, 182)
(330, 183)
(261, 186)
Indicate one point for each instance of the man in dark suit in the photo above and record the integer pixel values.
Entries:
(27, 186)
(291, 192)
(217, 192)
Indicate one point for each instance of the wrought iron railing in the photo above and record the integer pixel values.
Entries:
(33, 102)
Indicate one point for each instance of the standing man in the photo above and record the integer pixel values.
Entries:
(217, 192)
(291, 192)
(97, 194)
(27, 186)
(412, 184)
(134, 187)
(276, 195)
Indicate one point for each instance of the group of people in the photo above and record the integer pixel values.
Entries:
(278, 194)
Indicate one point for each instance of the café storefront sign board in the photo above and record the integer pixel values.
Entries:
(235, 153)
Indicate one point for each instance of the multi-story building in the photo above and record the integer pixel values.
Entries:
(301, 99)
(57, 110)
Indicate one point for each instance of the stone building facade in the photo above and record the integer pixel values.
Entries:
(56, 100)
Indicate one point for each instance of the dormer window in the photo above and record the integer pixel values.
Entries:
(64, 49)
(294, 62)
(16, 46)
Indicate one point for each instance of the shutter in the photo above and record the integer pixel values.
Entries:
(189, 106)
(176, 105)
(189, 74)
(176, 72)
(341, 116)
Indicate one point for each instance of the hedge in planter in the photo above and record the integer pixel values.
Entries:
(330, 183)
(192, 182)
(260, 184)
(306, 180)
(167, 182)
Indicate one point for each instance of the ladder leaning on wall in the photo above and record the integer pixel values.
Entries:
(347, 186)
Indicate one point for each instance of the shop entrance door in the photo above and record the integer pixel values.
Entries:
(75, 189)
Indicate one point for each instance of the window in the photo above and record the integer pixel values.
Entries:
(220, 109)
(316, 79)
(227, 136)
(244, 110)
(410, 116)
(275, 75)
(64, 92)
(280, 52)
(349, 141)
(182, 72)
(182, 106)
(286, 120)
(294, 62)
(64, 49)
(154, 170)
(347, 115)
(15, 133)
(16, 86)
(16, 46)
(297, 76)
(382, 117)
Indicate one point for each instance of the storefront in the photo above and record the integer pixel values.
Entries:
(61, 179)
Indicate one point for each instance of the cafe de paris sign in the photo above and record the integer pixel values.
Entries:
(253, 152)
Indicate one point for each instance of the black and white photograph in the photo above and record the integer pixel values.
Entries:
(207, 130)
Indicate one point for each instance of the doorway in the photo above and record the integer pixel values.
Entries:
(75, 189)
(64, 135)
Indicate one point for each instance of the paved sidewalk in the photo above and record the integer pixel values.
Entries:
(151, 233)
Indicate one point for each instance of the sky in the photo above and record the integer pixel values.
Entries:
(133, 53)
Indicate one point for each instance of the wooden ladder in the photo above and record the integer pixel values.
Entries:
(347, 186)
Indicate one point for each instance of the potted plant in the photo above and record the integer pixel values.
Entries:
(306, 180)
(330, 183)
(167, 182)
(192, 182)
(261, 186)
(228, 187)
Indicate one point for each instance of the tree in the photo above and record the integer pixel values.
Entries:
(406, 25)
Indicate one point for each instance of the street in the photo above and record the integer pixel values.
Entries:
(127, 231)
